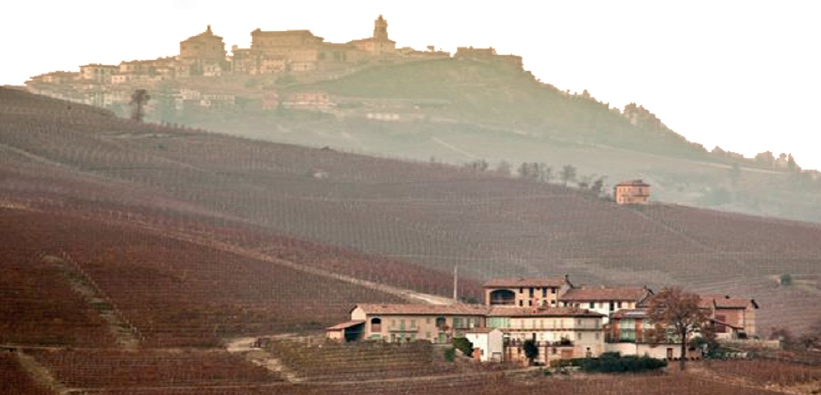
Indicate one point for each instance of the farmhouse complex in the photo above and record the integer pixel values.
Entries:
(564, 321)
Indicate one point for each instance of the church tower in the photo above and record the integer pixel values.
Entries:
(380, 29)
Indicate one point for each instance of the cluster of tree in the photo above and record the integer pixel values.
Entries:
(542, 172)
(810, 340)
(765, 159)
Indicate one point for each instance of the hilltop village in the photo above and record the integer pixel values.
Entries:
(204, 76)
(564, 321)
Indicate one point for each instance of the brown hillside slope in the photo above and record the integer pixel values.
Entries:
(433, 215)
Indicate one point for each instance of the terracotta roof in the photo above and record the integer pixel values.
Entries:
(633, 183)
(596, 294)
(725, 302)
(303, 33)
(344, 325)
(423, 309)
(630, 313)
(503, 311)
(519, 282)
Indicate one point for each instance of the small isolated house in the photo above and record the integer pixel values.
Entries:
(632, 192)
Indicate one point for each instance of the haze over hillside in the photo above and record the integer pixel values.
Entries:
(433, 215)
(458, 111)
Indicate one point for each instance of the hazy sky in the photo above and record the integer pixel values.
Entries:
(743, 75)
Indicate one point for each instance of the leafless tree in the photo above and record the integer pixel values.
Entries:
(676, 315)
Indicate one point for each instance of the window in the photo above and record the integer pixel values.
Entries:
(531, 292)
(597, 335)
(544, 292)
(427, 320)
(521, 303)
(619, 304)
(592, 305)
(413, 323)
(521, 290)
(393, 323)
(376, 324)
(578, 335)
(553, 291)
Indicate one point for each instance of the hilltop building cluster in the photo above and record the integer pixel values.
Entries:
(203, 63)
(565, 321)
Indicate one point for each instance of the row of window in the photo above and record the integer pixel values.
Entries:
(530, 303)
(554, 323)
(543, 289)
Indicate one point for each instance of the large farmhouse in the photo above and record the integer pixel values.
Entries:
(564, 321)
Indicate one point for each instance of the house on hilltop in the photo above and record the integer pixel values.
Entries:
(632, 192)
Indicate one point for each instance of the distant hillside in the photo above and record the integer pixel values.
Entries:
(432, 215)
(499, 96)
(457, 111)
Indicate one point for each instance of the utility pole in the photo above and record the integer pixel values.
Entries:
(455, 283)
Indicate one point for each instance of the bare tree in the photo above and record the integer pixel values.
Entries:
(598, 186)
(545, 172)
(138, 100)
(568, 174)
(503, 168)
(676, 315)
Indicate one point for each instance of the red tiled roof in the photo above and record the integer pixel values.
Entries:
(725, 302)
(423, 309)
(518, 282)
(503, 311)
(633, 183)
(344, 325)
(630, 313)
(596, 294)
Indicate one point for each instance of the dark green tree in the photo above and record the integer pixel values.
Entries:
(531, 350)
(464, 345)
(138, 101)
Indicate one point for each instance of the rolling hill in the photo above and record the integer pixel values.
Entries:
(132, 252)
(460, 110)
(431, 215)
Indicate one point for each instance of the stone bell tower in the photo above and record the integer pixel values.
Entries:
(380, 29)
